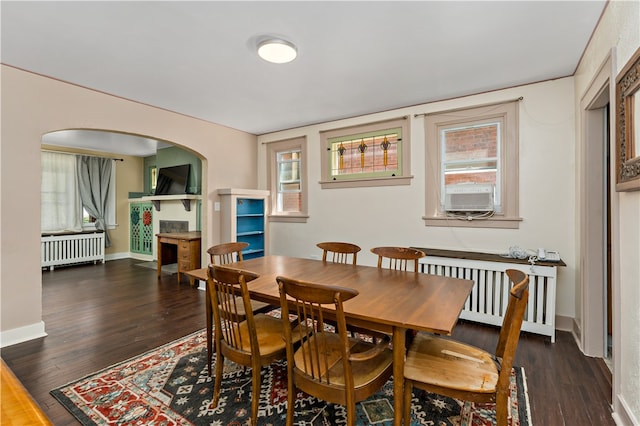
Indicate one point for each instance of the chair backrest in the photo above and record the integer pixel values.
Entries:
(511, 324)
(224, 253)
(305, 301)
(338, 252)
(399, 258)
(224, 285)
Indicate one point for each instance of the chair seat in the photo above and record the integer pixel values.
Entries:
(454, 365)
(256, 306)
(363, 372)
(269, 332)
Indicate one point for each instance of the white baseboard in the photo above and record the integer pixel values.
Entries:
(22, 334)
(564, 323)
(575, 332)
(142, 257)
(622, 414)
(127, 255)
(117, 256)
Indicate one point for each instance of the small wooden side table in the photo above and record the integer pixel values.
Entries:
(182, 248)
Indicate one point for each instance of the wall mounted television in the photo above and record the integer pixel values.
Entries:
(173, 180)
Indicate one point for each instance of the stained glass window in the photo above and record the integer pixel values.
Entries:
(371, 154)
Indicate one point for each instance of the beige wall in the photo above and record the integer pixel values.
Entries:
(619, 29)
(129, 178)
(33, 105)
(393, 215)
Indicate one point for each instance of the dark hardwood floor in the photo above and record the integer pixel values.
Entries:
(98, 315)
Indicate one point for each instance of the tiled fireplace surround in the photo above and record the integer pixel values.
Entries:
(173, 217)
(173, 226)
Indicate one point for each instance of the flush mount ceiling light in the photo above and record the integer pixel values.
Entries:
(277, 51)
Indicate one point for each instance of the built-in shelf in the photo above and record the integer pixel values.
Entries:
(243, 218)
(184, 198)
(242, 234)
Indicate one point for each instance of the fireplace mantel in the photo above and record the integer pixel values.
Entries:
(184, 198)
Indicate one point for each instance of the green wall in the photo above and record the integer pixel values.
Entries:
(174, 156)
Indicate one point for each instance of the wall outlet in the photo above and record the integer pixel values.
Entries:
(216, 206)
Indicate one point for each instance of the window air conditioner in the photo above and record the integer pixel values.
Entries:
(468, 197)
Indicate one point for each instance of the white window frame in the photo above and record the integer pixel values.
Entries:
(273, 149)
(375, 179)
(282, 183)
(497, 202)
(506, 113)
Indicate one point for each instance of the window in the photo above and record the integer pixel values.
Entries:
(87, 218)
(372, 154)
(287, 180)
(289, 183)
(61, 206)
(61, 201)
(153, 178)
(473, 146)
(469, 155)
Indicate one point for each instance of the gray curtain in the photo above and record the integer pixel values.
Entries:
(94, 178)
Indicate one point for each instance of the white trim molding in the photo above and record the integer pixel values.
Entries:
(622, 413)
(22, 334)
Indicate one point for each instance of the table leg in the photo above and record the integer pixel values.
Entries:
(399, 339)
(209, 313)
(159, 254)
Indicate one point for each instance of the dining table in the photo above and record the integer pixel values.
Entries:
(389, 301)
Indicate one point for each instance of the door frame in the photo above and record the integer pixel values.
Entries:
(593, 212)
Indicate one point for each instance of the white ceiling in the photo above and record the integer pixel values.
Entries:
(199, 58)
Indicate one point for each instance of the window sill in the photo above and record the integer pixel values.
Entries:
(492, 222)
(91, 227)
(359, 183)
(299, 218)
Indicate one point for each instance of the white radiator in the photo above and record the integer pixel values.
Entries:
(489, 297)
(67, 249)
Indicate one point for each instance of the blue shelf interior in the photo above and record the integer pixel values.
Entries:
(250, 226)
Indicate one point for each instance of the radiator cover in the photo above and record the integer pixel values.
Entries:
(68, 249)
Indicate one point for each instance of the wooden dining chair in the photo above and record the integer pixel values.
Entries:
(240, 336)
(398, 258)
(451, 368)
(222, 254)
(329, 364)
(338, 252)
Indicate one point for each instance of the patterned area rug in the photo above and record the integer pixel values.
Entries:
(170, 386)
